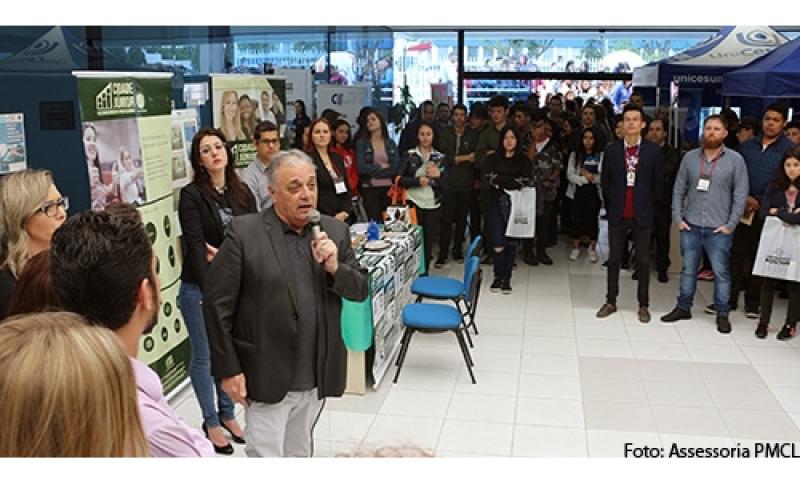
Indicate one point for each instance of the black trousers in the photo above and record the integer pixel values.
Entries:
(618, 238)
(484, 201)
(544, 228)
(768, 286)
(586, 209)
(475, 215)
(375, 201)
(455, 206)
(430, 220)
(663, 225)
(743, 255)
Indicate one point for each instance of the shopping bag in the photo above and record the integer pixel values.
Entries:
(778, 251)
(398, 209)
(522, 219)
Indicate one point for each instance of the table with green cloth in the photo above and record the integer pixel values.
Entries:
(377, 321)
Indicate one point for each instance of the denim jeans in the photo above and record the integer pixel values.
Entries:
(191, 300)
(718, 248)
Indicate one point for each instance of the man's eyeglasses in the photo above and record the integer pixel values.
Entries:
(51, 208)
(269, 141)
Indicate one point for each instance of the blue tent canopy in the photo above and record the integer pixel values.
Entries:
(774, 75)
(704, 64)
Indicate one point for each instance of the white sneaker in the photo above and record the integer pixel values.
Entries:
(593, 256)
(573, 254)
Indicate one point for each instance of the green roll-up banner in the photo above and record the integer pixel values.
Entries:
(127, 136)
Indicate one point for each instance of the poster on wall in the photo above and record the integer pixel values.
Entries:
(128, 146)
(184, 126)
(13, 156)
(440, 93)
(347, 100)
(239, 102)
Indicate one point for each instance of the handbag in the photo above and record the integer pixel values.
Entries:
(399, 210)
(522, 218)
(778, 251)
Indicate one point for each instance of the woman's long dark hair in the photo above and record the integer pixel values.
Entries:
(384, 129)
(580, 152)
(347, 144)
(781, 182)
(203, 180)
(500, 149)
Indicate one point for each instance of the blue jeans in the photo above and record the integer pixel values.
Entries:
(191, 301)
(718, 248)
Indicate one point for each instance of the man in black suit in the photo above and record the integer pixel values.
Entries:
(273, 311)
(633, 176)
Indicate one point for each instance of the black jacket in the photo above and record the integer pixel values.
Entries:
(500, 174)
(777, 199)
(649, 182)
(672, 162)
(411, 162)
(251, 311)
(328, 201)
(201, 224)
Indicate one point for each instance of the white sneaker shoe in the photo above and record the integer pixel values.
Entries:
(593, 256)
(574, 254)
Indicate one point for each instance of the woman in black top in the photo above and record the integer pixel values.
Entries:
(507, 169)
(206, 207)
(782, 199)
(31, 209)
(333, 194)
(300, 121)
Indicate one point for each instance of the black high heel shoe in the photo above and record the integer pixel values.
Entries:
(223, 450)
(235, 438)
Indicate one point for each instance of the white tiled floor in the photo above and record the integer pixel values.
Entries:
(554, 381)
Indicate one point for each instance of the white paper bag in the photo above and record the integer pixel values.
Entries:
(522, 219)
(778, 251)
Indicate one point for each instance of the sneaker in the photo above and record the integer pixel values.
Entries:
(676, 314)
(592, 256)
(787, 332)
(723, 324)
(544, 259)
(662, 277)
(606, 310)
(575, 253)
(710, 309)
(644, 315)
(505, 287)
(440, 262)
(761, 330)
(495, 287)
(707, 275)
(752, 312)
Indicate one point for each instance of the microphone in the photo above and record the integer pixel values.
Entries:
(314, 218)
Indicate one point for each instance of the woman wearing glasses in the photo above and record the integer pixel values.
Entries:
(206, 207)
(31, 209)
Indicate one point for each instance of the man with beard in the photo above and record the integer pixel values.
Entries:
(713, 180)
(103, 268)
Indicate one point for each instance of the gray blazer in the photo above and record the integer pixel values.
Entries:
(250, 306)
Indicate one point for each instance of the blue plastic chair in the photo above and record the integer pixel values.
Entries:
(436, 318)
(445, 288)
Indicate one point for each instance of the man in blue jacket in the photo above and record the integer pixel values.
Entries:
(762, 155)
(633, 176)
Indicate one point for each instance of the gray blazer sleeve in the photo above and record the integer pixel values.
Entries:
(219, 304)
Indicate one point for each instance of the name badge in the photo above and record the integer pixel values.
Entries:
(631, 178)
(340, 186)
(703, 184)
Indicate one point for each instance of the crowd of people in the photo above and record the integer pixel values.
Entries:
(85, 288)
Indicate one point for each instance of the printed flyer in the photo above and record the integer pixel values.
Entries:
(13, 157)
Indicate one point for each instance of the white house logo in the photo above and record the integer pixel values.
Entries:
(119, 98)
(40, 48)
(778, 258)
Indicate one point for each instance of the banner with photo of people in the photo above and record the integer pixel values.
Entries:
(184, 126)
(128, 145)
(239, 102)
(13, 156)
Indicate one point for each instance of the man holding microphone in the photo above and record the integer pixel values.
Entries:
(273, 311)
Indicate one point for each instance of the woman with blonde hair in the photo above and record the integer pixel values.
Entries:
(31, 209)
(67, 390)
(230, 122)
